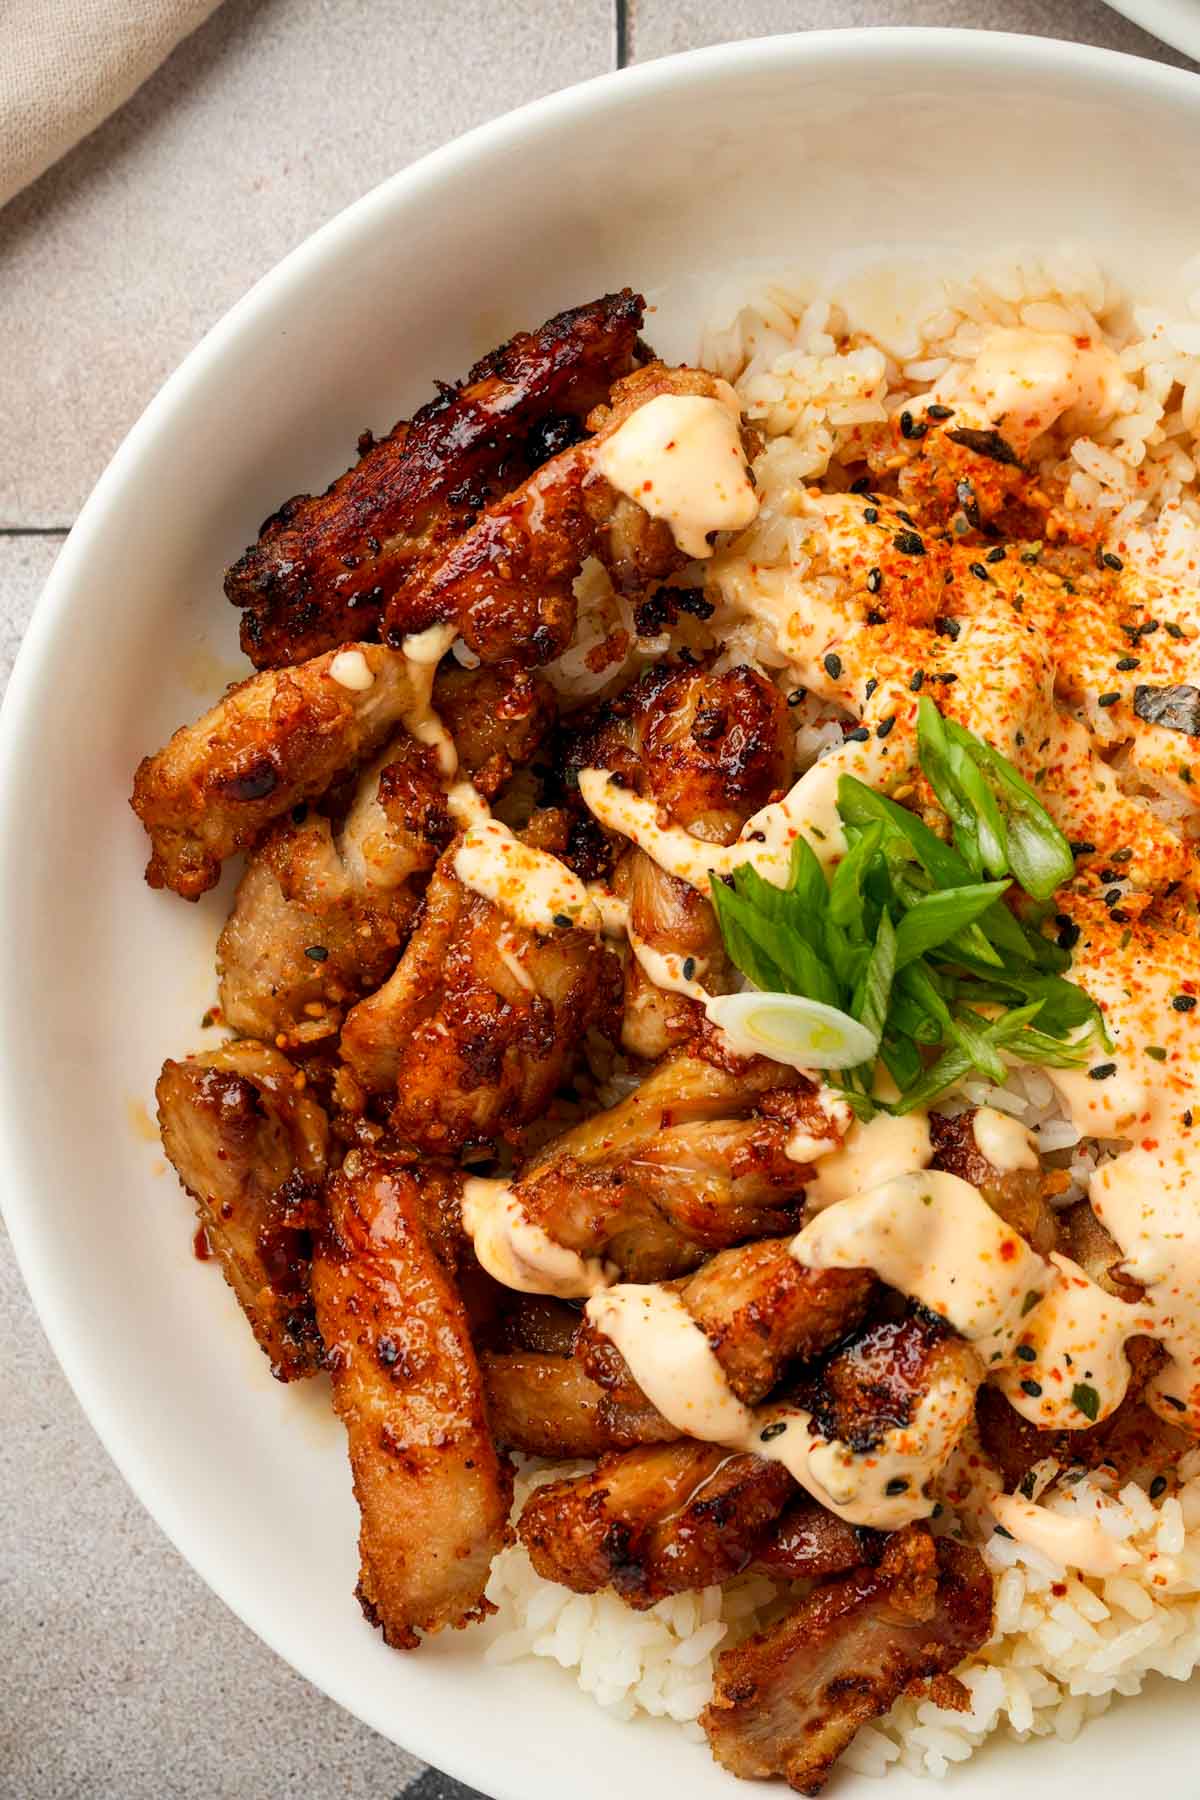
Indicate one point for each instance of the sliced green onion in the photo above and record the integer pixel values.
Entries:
(789, 1029)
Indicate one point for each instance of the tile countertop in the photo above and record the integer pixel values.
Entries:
(124, 1676)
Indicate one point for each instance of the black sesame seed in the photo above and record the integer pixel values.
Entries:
(1125, 663)
(946, 680)
(907, 517)
(1156, 1052)
(906, 424)
(861, 486)
(872, 684)
(1187, 1118)
(833, 665)
(872, 515)
(689, 967)
(875, 617)
(938, 411)
(772, 1431)
(1102, 1071)
(1120, 918)
(1032, 1388)
(1108, 699)
(979, 570)
(874, 580)
(1000, 1531)
(1026, 1352)
(858, 737)
(947, 627)
(796, 697)
(1179, 1405)
(563, 921)
(885, 726)
(897, 1485)
(917, 682)
(996, 555)
(1113, 562)
(1112, 896)
(1120, 856)
(1158, 1486)
(909, 543)
(1172, 629)
(1184, 1002)
(1081, 847)
(1068, 932)
(316, 953)
(1147, 628)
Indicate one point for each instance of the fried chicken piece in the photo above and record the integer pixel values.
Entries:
(249, 1144)
(325, 565)
(759, 1309)
(674, 922)
(654, 1521)
(480, 1024)
(433, 1493)
(790, 1699)
(507, 583)
(1017, 1195)
(807, 1542)
(545, 1405)
(873, 1382)
(692, 1161)
(320, 916)
(272, 742)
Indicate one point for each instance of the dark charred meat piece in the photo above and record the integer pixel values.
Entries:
(545, 1405)
(873, 1382)
(507, 582)
(432, 1492)
(759, 1309)
(481, 1022)
(807, 1542)
(326, 565)
(1017, 1195)
(789, 1700)
(275, 740)
(654, 1521)
(691, 1162)
(711, 749)
(249, 1145)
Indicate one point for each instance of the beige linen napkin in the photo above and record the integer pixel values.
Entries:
(66, 64)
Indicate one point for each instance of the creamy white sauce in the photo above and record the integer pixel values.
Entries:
(665, 968)
(429, 646)
(528, 885)
(936, 1239)
(1080, 1543)
(680, 457)
(872, 1151)
(1072, 1349)
(766, 839)
(1007, 1144)
(516, 1251)
(673, 1363)
(1028, 379)
(350, 669)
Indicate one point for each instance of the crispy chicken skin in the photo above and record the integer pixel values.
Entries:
(759, 1309)
(691, 1162)
(654, 1521)
(480, 1023)
(789, 1700)
(873, 1381)
(711, 748)
(546, 1405)
(249, 1144)
(433, 1493)
(321, 915)
(325, 565)
(507, 582)
(1018, 1195)
(274, 741)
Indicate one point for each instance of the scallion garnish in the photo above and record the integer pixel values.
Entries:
(944, 976)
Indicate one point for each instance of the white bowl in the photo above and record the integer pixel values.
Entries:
(674, 177)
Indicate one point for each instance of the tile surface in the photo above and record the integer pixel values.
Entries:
(275, 115)
(124, 1678)
(659, 27)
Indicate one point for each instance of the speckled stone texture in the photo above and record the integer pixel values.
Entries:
(121, 1676)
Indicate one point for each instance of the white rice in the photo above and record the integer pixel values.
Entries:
(1064, 1645)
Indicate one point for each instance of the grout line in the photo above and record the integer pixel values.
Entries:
(17, 531)
(621, 24)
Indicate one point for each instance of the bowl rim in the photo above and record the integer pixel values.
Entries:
(383, 205)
